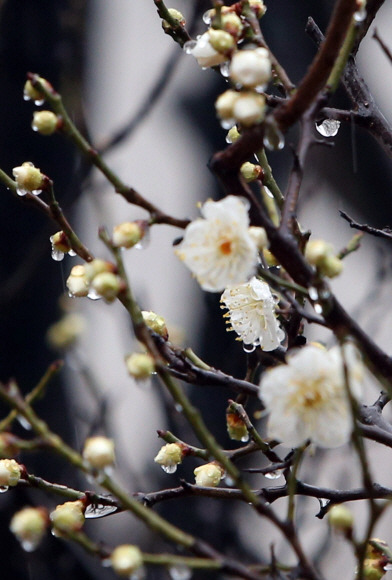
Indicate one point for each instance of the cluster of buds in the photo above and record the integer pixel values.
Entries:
(28, 178)
(60, 246)
(98, 452)
(246, 108)
(96, 279)
(321, 255)
(67, 517)
(29, 526)
(209, 474)
(126, 560)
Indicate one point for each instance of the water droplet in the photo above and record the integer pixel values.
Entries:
(36, 191)
(26, 97)
(180, 572)
(245, 438)
(57, 256)
(273, 137)
(3, 488)
(106, 562)
(318, 308)
(29, 545)
(228, 139)
(325, 294)
(24, 422)
(178, 408)
(323, 502)
(143, 243)
(229, 481)
(189, 46)
(225, 69)
(55, 533)
(35, 128)
(388, 567)
(93, 294)
(268, 192)
(39, 102)
(227, 124)
(274, 474)
(169, 468)
(360, 15)
(248, 348)
(328, 128)
(71, 253)
(207, 17)
(313, 294)
(21, 192)
(95, 511)
(139, 574)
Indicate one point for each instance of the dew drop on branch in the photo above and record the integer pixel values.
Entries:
(21, 192)
(245, 438)
(328, 128)
(274, 474)
(313, 294)
(39, 102)
(57, 256)
(169, 468)
(23, 422)
(180, 572)
(95, 511)
(29, 545)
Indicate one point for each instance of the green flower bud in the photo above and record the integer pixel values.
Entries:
(29, 179)
(44, 122)
(341, 518)
(67, 517)
(66, 331)
(126, 560)
(250, 171)
(221, 41)
(107, 285)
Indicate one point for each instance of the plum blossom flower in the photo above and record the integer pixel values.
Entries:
(203, 51)
(218, 248)
(307, 397)
(252, 314)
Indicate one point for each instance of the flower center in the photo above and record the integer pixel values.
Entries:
(225, 247)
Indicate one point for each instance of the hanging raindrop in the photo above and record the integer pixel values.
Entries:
(248, 348)
(313, 294)
(207, 17)
(57, 256)
(39, 102)
(3, 488)
(95, 511)
(24, 422)
(274, 474)
(169, 468)
(29, 545)
(360, 15)
(21, 192)
(180, 572)
(273, 137)
(225, 69)
(93, 294)
(318, 308)
(328, 128)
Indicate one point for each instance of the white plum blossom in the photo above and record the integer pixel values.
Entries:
(204, 52)
(252, 314)
(251, 68)
(307, 397)
(218, 248)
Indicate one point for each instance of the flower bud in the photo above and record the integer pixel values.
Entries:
(68, 517)
(208, 475)
(10, 472)
(97, 266)
(60, 242)
(232, 24)
(224, 104)
(156, 323)
(29, 525)
(176, 15)
(341, 518)
(258, 6)
(373, 569)
(221, 41)
(66, 331)
(99, 452)
(127, 234)
(140, 366)
(29, 179)
(204, 52)
(259, 236)
(169, 456)
(251, 68)
(270, 258)
(31, 93)
(249, 109)
(45, 122)
(126, 559)
(107, 285)
(250, 172)
(321, 254)
(77, 283)
(233, 135)
(236, 428)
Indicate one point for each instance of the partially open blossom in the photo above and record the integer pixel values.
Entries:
(45, 122)
(321, 254)
(60, 246)
(107, 285)
(224, 105)
(251, 68)
(307, 397)
(29, 526)
(99, 452)
(140, 366)
(77, 283)
(10, 472)
(251, 313)
(169, 456)
(208, 475)
(126, 560)
(156, 323)
(66, 331)
(249, 108)
(68, 517)
(218, 248)
(29, 179)
(204, 52)
(127, 234)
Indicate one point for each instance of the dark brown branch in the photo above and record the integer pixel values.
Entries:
(384, 233)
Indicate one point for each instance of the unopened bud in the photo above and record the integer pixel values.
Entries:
(320, 254)
(205, 53)
(251, 68)
(373, 569)
(249, 108)
(66, 331)
(156, 323)
(258, 6)
(208, 475)
(68, 517)
(10, 472)
(140, 366)
(236, 428)
(127, 234)
(99, 452)
(29, 179)
(221, 41)
(177, 16)
(224, 104)
(259, 237)
(126, 560)
(250, 172)
(31, 93)
(169, 455)
(45, 122)
(233, 135)
(60, 242)
(29, 526)
(98, 266)
(77, 283)
(107, 285)
(341, 518)
(232, 24)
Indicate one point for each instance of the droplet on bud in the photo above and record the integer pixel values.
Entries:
(328, 128)
(189, 46)
(248, 348)
(169, 468)
(274, 474)
(225, 69)
(360, 15)
(95, 511)
(57, 256)
(3, 488)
